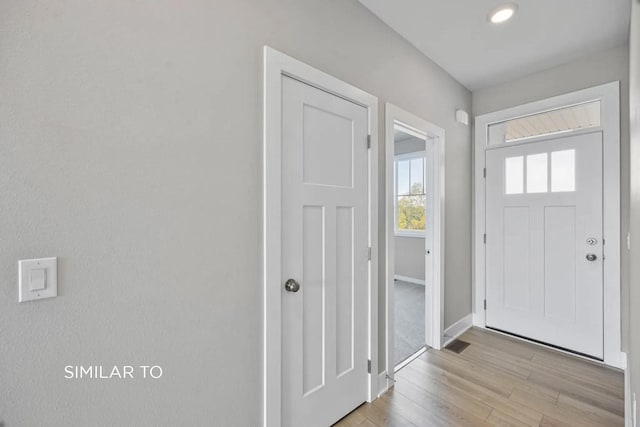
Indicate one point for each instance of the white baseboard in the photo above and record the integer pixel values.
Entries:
(409, 279)
(457, 329)
(628, 395)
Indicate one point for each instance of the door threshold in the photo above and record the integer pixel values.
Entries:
(410, 359)
(557, 348)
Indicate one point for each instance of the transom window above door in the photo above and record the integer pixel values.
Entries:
(541, 173)
(410, 196)
(566, 119)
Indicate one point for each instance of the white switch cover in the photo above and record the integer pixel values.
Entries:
(38, 278)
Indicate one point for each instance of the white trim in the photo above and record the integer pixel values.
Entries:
(409, 131)
(457, 329)
(609, 95)
(434, 294)
(411, 155)
(414, 235)
(409, 279)
(628, 393)
(276, 65)
(383, 384)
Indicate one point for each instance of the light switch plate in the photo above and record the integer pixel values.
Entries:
(37, 279)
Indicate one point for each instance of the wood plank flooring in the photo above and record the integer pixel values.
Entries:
(497, 381)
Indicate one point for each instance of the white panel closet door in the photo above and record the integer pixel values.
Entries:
(325, 250)
(544, 270)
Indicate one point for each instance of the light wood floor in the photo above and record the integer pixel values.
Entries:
(497, 381)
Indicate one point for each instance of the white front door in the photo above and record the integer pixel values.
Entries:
(544, 242)
(325, 223)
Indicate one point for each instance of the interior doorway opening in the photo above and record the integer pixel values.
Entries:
(411, 232)
(414, 238)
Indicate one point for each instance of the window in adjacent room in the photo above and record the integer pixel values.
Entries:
(410, 194)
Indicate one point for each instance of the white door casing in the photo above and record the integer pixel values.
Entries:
(609, 97)
(543, 218)
(280, 326)
(325, 249)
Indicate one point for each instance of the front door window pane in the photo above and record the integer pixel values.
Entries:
(537, 173)
(514, 175)
(563, 170)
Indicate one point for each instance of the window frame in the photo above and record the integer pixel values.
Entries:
(402, 157)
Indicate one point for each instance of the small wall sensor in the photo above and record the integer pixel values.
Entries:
(462, 117)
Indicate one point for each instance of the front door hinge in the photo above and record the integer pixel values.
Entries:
(368, 141)
(369, 366)
(369, 254)
(484, 172)
(485, 304)
(484, 239)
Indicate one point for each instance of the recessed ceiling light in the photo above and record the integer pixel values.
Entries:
(502, 13)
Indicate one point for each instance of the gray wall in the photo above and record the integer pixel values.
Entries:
(634, 300)
(131, 135)
(594, 70)
(409, 257)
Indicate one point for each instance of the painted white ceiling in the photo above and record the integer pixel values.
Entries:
(543, 34)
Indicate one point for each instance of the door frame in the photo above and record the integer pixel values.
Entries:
(435, 292)
(277, 65)
(609, 96)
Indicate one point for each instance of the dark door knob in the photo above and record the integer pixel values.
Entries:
(592, 257)
(291, 286)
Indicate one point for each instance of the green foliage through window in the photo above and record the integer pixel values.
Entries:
(410, 194)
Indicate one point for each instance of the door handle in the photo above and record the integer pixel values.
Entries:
(291, 286)
(591, 257)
